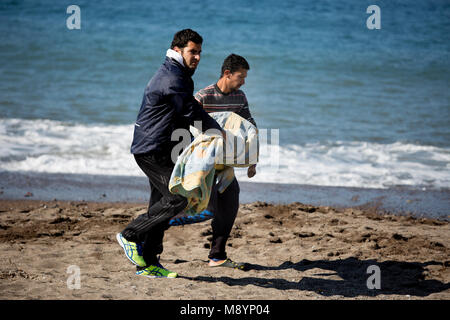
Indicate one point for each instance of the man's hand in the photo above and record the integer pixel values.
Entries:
(251, 171)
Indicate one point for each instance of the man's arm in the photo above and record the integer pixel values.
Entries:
(245, 113)
(200, 114)
(187, 107)
(199, 98)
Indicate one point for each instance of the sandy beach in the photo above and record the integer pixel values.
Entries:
(293, 251)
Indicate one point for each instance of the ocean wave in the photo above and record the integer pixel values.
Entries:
(359, 164)
(62, 147)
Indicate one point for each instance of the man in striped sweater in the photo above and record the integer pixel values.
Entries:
(225, 95)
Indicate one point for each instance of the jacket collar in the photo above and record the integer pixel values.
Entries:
(175, 56)
(176, 59)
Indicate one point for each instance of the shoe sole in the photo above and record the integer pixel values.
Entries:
(119, 240)
(154, 277)
(226, 264)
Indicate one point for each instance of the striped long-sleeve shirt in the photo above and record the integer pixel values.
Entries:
(214, 100)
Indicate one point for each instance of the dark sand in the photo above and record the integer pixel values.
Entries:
(293, 251)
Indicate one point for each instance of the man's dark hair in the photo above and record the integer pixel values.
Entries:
(182, 37)
(233, 63)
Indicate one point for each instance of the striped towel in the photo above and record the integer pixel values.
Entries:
(206, 156)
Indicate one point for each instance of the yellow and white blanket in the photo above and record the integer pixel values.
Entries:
(193, 174)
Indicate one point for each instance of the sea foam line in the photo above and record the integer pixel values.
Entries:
(61, 147)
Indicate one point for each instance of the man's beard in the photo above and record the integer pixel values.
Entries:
(190, 71)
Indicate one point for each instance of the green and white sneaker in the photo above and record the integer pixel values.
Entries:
(133, 250)
(156, 271)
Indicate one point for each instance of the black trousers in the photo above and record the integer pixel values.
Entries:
(149, 228)
(225, 207)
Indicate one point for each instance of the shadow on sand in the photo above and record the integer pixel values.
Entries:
(400, 278)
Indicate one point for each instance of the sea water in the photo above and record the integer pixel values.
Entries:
(352, 106)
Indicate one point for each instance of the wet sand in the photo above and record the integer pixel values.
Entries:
(417, 201)
(294, 251)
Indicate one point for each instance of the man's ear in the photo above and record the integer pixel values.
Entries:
(177, 49)
(227, 73)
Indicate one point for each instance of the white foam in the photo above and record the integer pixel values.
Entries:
(358, 164)
(60, 147)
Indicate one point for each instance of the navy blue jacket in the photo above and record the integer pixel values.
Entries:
(168, 104)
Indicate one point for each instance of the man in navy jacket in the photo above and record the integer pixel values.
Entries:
(168, 104)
